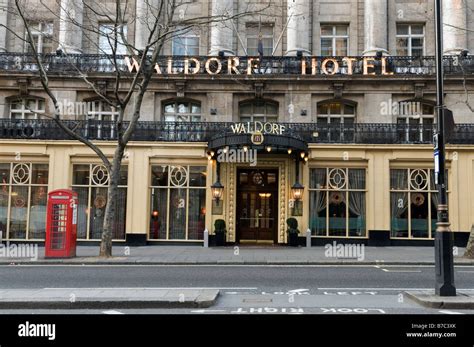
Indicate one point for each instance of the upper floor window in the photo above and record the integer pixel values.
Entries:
(410, 39)
(334, 40)
(108, 38)
(417, 119)
(182, 111)
(106, 115)
(259, 32)
(186, 43)
(336, 112)
(42, 33)
(261, 111)
(26, 108)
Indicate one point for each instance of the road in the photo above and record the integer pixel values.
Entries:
(249, 289)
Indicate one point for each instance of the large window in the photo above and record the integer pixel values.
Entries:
(413, 203)
(26, 108)
(416, 121)
(178, 202)
(42, 33)
(336, 120)
(109, 37)
(334, 40)
(410, 40)
(103, 117)
(90, 181)
(23, 197)
(182, 111)
(256, 32)
(186, 44)
(337, 202)
(259, 110)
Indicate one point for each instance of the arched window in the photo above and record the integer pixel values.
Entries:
(416, 119)
(258, 110)
(26, 108)
(336, 112)
(182, 111)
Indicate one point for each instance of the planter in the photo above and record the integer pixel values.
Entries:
(293, 239)
(220, 239)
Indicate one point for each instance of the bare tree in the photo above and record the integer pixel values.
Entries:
(164, 20)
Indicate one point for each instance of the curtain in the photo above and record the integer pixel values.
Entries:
(317, 202)
(357, 200)
(398, 180)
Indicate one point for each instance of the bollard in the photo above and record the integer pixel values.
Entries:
(206, 238)
(308, 238)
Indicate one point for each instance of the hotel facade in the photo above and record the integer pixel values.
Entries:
(332, 125)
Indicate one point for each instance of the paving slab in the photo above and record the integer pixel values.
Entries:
(427, 298)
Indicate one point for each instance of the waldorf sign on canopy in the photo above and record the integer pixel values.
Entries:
(252, 65)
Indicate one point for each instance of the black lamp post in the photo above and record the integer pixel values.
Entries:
(217, 188)
(444, 264)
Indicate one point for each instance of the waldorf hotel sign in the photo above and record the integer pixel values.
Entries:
(252, 65)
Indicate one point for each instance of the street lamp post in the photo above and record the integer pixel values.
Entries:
(444, 265)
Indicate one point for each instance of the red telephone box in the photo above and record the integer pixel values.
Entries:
(61, 224)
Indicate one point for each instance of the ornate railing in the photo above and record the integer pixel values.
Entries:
(174, 65)
(361, 133)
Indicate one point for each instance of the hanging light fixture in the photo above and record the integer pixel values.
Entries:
(297, 191)
(217, 190)
(245, 148)
(290, 150)
(268, 148)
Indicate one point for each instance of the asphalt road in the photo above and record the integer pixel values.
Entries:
(251, 289)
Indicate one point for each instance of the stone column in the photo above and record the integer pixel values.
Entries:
(454, 17)
(3, 30)
(298, 30)
(375, 27)
(222, 33)
(70, 26)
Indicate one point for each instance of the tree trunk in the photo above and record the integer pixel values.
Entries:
(110, 217)
(470, 245)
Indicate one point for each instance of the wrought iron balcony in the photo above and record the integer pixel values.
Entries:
(175, 65)
(360, 133)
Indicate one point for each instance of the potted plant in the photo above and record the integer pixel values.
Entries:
(220, 231)
(292, 231)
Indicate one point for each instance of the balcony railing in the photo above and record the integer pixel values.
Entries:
(360, 133)
(174, 65)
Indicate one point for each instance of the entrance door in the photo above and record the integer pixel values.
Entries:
(257, 205)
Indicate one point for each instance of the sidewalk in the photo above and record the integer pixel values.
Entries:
(265, 255)
(79, 298)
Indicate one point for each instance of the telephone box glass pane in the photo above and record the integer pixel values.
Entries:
(58, 226)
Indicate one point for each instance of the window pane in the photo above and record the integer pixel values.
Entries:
(195, 108)
(159, 199)
(39, 198)
(341, 47)
(318, 178)
(357, 213)
(196, 214)
(317, 208)
(4, 191)
(337, 213)
(427, 109)
(402, 29)
(18, 212)
(40, 174)
(123, 176)
(398, 179)
(399, 213)
(356, 178)
(341, 30)
(197, 176)
(82, 211)
(159, 175)
(271, 109)
(246, 109)
(97, 212)
(417, 52)
(4, 173)
(183, 107)
(402, 46)
(323, 109)
(322, 121)
(335, 108)
(177, 217)
(419, 214)
(326, 30)
(170, 108)
(349, 109)
(417, 29)
(326, 47)
(80, 174)
(118, 228)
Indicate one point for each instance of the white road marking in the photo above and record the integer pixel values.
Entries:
(112, 312)
(449, 312)
(385, 270)
(382, 289)
(207, 311)
(232, 265)
(467, 272)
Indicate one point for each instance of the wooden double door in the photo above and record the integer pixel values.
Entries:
(257, 205)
